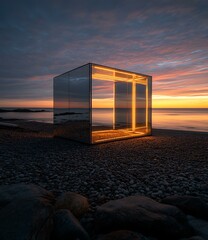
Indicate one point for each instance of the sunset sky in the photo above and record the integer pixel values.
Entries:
(167, 39)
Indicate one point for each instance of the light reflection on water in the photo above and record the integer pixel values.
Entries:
(180, 119)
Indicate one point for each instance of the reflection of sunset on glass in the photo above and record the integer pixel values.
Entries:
(102, 103)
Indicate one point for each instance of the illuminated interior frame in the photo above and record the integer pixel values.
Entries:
(95, 104)
(103, 73)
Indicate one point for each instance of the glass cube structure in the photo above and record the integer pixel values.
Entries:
(95, 103)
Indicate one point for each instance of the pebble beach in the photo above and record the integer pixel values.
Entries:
(168, 162)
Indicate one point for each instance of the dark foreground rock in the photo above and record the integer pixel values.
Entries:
(26, 212)
(29, 212)
(74, 202)
(138, 213)
(122, 235)
(200, 226)
(66, 227)
(190, 205)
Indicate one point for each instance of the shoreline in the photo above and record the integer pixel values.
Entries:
(30, 124)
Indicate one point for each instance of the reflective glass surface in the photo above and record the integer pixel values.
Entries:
(61, 98)
(140, 105)
(72, 104)
(121, 104)
(94, 103)
(102, 104)
(61, 104)
(79, 104)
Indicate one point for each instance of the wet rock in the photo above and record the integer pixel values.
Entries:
(139, 213)
(74, 202)
(25, 212)
(189, 204)
(66, 227)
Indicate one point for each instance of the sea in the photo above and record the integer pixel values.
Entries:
(188, 119)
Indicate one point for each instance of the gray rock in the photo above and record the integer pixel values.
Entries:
(66, 227)
(139, 213)
(25, 212)
(122, 235)
(74, 202)
(200, 226)
(189, 204)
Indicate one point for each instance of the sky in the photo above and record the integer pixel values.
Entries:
(167, 39)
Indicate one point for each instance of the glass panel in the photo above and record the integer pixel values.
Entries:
(61, 104)
(102, 105)
(123, 105)
(72, 104)
(140, 106)
(119, 105)
(79, 104)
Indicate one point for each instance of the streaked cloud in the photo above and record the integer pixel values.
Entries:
(41, 39)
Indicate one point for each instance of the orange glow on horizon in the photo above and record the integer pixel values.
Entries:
(160, 101)
(27, 104)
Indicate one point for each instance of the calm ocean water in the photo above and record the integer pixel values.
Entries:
(179, 119)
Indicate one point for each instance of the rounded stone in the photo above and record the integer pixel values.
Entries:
(74, 202)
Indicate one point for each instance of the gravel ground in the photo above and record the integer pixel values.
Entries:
(167, 163)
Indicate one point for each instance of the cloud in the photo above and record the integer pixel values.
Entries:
(41, 39)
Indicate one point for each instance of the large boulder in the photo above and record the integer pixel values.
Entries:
(74, 202)
(139, 213)
(66, 227)
(190, 205)
(26, 212)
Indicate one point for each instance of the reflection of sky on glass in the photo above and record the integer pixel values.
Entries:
(102, 94)
(165, 39)
(123, 95)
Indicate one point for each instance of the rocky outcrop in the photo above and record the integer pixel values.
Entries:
(74, 202)
(26, 212)
(29, 212)
(66, 227)
(190, 205)
(138, 213)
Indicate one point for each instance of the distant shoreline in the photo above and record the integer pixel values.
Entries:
(180, 119)
(24, 110)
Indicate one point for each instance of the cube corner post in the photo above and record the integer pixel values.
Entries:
(95, 103)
